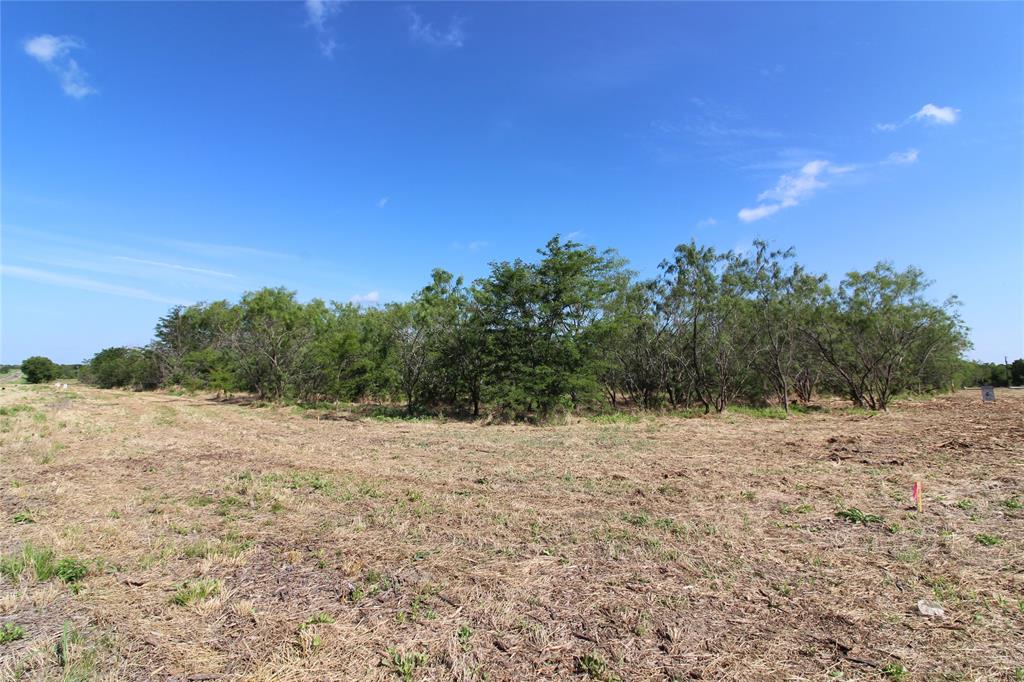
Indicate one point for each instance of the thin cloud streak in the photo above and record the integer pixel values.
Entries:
(71, 282)
(222, 250)
(173, 266)
(794, 188)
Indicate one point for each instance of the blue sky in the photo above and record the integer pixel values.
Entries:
(156, 153)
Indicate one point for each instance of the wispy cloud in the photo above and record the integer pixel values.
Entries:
(54, 52)
(383, 201)
(174, 266)
(929, 113)
(707, 222)
(902, 158)
(72, 282)
(319, 14)
(941, 115)
(220, 250)
(793, 188)
(472, 246)
(424, 32)
(371, 298)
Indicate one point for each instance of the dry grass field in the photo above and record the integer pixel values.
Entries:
(151, 536)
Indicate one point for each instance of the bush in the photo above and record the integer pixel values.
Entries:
(123, 367)
(39, 370)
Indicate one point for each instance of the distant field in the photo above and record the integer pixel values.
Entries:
(148, 536)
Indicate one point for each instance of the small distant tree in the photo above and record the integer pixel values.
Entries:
(38, 369)
(1017, 372)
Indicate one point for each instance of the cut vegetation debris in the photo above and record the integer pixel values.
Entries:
(233, 542)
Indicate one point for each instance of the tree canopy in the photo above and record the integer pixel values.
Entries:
(573, 329)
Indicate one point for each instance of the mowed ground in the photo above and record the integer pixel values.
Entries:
(240, 543)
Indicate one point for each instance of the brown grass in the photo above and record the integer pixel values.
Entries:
(231, 542)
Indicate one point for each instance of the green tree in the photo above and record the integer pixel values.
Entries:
(122, 367)
(879, 336)
(1017, 372)
(272, 335)
(635, 347)
(192, 344)
(782, 295)
(539, 322)
(704, 296)
(38, 369)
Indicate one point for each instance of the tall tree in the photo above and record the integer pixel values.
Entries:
(879, 335)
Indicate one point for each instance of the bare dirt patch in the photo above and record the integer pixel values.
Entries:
(224, 541)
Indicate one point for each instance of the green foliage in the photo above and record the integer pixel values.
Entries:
(880, 337)
(566, 331)
(317, 619)
(123, 367)
(11, 632)
(595, 667)
(855, 515)
(895, 671)
(196, 591)
(541, 323)
(988, 540)
(404, 664)
(42, 565)
(997, 374)
(38, 369)
(70, 570)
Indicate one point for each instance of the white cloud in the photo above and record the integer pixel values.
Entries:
(902, 158)
(425, 32)
(929, 113)
(934, 114)
(749, 215)
(173, 266)
(218, 250)
(319, 13)
(56, 279)
(371, 298)
(54, 52)
(46, 48)
(383, 201)
(707, 222)
(792, 188)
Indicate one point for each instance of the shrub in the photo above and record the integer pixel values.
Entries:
(39, 370)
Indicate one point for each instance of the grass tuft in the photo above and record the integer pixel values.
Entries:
(11, 632)
(196, 591)
(855, 515)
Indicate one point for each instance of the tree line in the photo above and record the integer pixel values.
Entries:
(571, 329)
